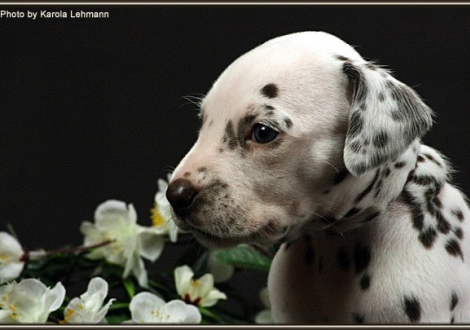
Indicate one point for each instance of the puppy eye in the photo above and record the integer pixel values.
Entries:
(263, 134)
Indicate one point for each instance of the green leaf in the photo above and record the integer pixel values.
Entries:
(117, 319)
(129, 286)
(244, 256)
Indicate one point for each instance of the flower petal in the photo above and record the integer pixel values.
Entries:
(174, 230)
(88, 308)
(55, 297)
(183, 276)
(143, 305)
(112, 213)
(211, 299)
(264, 317)
(177, 311)
(140, 273)
(10, 271)
(205, 284)
(151, 244)
(5, 317)
(162, 185)
(10, 246)
(30, 301)
(95, 294)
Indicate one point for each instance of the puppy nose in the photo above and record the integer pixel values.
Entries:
(180, 194)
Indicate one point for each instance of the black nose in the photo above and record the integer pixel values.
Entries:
(180, 194)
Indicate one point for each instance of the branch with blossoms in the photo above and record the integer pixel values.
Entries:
(46, 286)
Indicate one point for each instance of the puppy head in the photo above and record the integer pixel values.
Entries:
(274, 128)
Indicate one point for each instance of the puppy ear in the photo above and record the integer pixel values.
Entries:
(386, 116)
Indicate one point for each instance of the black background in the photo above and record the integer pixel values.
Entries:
(93, 109)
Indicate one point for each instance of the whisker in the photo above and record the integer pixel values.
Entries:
(332, 166)
(332, 226)
(194, 100)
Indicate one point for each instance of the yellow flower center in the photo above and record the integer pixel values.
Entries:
(157, 217)
(67, 315)
(4, 257)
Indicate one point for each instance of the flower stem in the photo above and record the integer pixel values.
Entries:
(77, 249)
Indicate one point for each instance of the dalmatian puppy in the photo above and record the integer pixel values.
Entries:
(305, 142)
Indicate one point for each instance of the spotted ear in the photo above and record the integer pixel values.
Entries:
(384, 119)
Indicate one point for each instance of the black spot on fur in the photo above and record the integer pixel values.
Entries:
(269, 110)
(458, 232)
(230, 137)
(343, 259)
(356, 124)
(421, 159)
(412, 308)
(358, 318)
(361, 257)
(418, 217)
(371, 217)
(342, 58)
(454, 300)
(442, 224)
(416, 211)
(381, 97)
(365, 282)
(424, 180)
(351, 212)
(427, 237)
(361, 168)
(355, 76)
(356, 146)
(453, 248)
(187, 174)
(432, 159)
(340, 176)
(288, 122)
(400, 164)
(458, 214)
(398, 115)
(378, 188)
(244, 127)
(270, 91)
(202, 169)
(368, 188)
(380, 140)
(387, 172)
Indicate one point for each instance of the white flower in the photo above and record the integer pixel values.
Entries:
(199, 292)
(11, 252)
(146, 307)
(117, 222)
(221, 271)
(88, 308)
(29, 301)
(162, 218)
(265, 315)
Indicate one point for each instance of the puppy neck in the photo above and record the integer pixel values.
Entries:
(353, 201)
